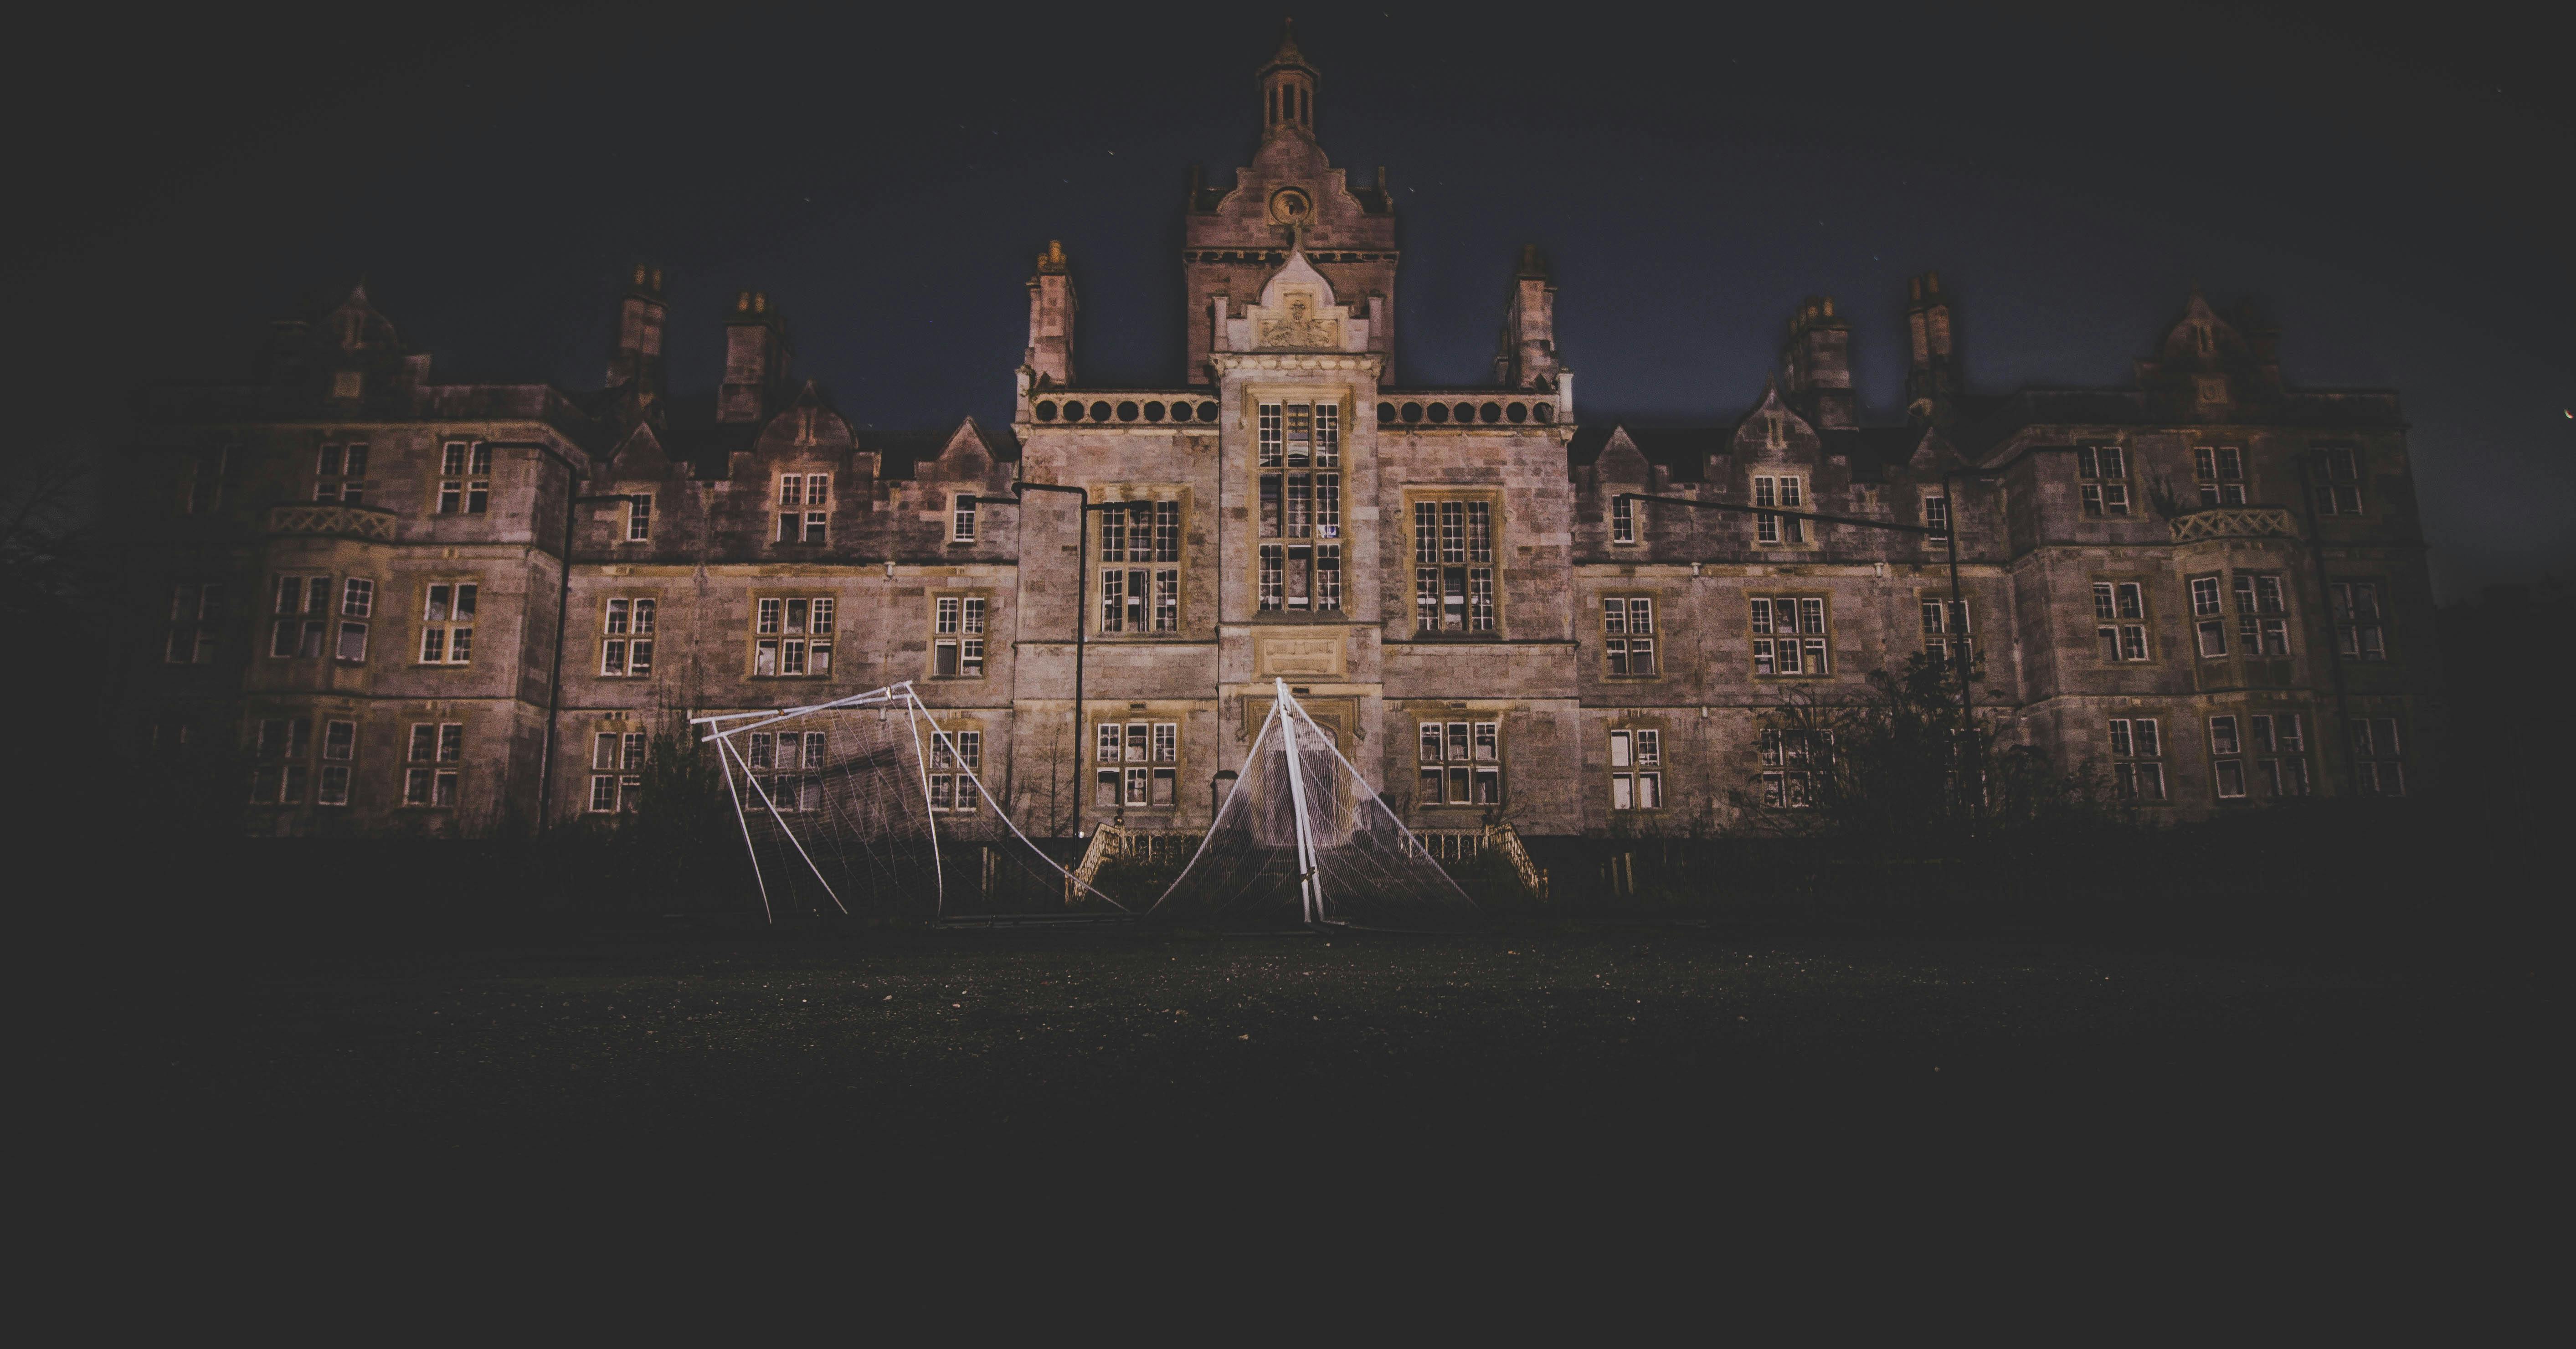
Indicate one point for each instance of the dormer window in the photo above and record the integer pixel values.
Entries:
(1787, 494)
(804, 507)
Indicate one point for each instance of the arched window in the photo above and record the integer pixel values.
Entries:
(1273, 110)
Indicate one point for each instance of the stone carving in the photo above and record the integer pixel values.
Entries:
(1300, 327)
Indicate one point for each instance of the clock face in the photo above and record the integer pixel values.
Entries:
(1291, 206)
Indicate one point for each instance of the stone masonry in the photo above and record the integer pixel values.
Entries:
(428, 608)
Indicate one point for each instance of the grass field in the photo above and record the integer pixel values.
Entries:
(1043, 1036)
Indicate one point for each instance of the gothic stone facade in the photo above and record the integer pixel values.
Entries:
(441, 608)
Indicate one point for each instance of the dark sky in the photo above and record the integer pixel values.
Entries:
(2396, 195)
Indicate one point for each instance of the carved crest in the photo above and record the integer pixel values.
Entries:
(1300, 327)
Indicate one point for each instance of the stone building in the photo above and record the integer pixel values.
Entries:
(427, 608)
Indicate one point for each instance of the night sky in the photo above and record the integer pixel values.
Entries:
(2396, 198)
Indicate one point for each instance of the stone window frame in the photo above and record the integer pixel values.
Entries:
(2102, 476)
(1644, 737)
(2219, 475)
(433, 765)
(1657, 613)
(640, 629)
(1151, 755)
(2137, 745)
(2263, 617)
(814, 520)
(970, 633)
(1496, 550)
(1785, 491)
(196, 622)
(617, 755)
(1819, 642)
(332, 480)
(1165, 577)
(2339, 477)
(822, 621)
(300, 630)
(2359, 636)
(952, 791)
(1327, 539)
(1949, 627)
(2378, 747)
(1475, 752)
(463, 483)
(281, 753)
(455, 620)
(2119, 622)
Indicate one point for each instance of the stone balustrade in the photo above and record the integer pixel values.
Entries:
(334, 519)
(2235, 522)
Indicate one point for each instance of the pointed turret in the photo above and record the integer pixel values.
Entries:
(1288, 88)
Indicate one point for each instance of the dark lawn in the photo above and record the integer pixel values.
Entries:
(1028, 1038)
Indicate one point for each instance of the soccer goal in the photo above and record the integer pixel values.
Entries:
(1303, 839)
(865, 805)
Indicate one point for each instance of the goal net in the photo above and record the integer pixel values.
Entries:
(865, 805)
(1304, 839)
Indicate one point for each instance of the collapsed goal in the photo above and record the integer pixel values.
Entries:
(866, 805)
(1303, 839)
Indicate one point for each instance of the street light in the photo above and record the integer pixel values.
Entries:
(1081, 590)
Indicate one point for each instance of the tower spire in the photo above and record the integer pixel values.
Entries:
(1288, 85)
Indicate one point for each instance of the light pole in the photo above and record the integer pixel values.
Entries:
(1081, 597)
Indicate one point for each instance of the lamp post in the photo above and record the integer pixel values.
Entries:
(1081, 596)
(1957, 657)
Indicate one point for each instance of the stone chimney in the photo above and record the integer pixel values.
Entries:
(756, 356)
(1052, 310)
(1817, 367)
(636, 352)
(1932, 382)
(1528, 356)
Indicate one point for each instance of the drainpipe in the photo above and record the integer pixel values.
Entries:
(563, 602)
(2342, 735)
